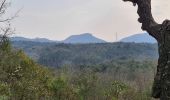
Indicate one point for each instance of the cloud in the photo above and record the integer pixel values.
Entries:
(57, 19)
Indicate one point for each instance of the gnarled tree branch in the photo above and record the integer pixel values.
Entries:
(146, 18)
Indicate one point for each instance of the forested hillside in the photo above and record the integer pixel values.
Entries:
(57, 55)
(119, 79)
(23, 79)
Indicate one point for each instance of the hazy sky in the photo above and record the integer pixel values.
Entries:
(58, 19)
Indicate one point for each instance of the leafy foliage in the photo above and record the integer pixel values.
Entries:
(22, 78)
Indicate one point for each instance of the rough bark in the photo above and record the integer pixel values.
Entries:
(161, 32)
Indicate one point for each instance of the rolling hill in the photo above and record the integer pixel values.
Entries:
(59, 54)
(31, 40)
(139, 38)
(82, 38)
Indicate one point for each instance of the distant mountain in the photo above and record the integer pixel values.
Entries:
(19, 39)
(83, 38)
(43, 40)
(32, 40)
(139, 38)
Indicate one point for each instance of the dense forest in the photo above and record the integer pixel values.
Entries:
(118, 79)
(57, 55)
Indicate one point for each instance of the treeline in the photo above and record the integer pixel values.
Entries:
(23, 79)
(57, 55)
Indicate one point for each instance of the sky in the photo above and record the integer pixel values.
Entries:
(58, 19)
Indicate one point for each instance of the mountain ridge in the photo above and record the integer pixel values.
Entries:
(139, 38)
(89, 38)
(19, 38)
(81, 38)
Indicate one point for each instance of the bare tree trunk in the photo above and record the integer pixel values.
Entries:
(161, 32)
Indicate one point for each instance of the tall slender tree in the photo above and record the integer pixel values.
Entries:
(161, 32)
